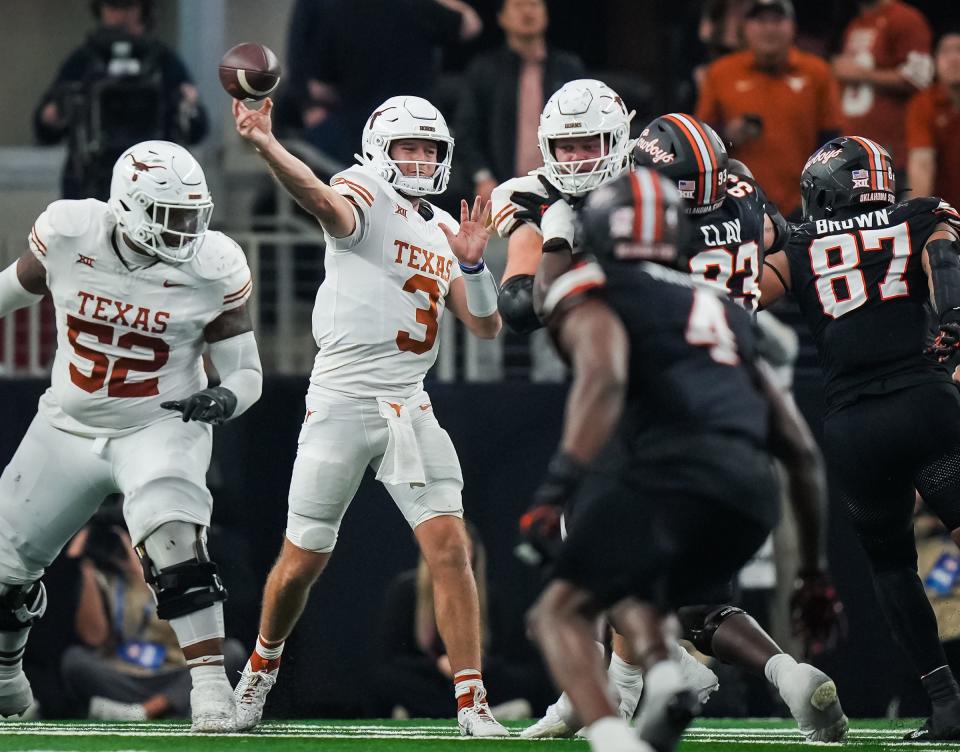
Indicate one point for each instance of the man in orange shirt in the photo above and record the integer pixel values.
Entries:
(772, 103)
(933, 122)
(885, 59)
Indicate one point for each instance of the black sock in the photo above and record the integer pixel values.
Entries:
(942, 688)
(911, 617)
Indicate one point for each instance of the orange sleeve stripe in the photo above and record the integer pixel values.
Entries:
(234, 296)
(36, 239)
(502, 212)
(504, 215)
(362, 192)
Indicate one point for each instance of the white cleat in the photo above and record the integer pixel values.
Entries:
(15, 695)
(551, 726)
(105, 709)
(477, 720)
(812, 699)
(251, 695)
(212, 707)
(698, 677)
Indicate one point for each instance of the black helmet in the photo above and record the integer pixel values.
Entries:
(637, 217)
(691, 154)
(846, 173)
(738, 168)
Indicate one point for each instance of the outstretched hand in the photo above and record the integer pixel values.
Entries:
(470, 242)
(255, 126)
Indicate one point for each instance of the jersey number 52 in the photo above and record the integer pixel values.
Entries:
(118, 385)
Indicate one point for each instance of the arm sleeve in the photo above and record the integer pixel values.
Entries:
(919, 123)
(237, 360)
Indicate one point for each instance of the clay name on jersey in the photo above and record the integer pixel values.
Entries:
(723, 234)
(119, 312)
(426, 261)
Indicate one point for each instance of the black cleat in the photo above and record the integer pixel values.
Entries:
(662, 728)
(930, 732)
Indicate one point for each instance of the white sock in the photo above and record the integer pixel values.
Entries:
(268, 654)
(627, 681)
(777, 668)
(610, 732)
(207, 673)
(12, 644)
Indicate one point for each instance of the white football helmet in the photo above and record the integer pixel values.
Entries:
(408, 117)
(585, 107)
(160, 199)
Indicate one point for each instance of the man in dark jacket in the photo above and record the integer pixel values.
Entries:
(121, 86)
(503, 94)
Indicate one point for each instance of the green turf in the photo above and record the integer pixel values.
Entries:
(726, 735)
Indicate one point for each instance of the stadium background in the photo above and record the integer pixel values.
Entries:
(504, 432)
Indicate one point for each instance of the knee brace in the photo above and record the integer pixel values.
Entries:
(310, 534)
(700, 623)
(176, 565)
(21, 605)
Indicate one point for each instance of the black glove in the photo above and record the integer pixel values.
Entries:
(947, 342)
(534, 205)
(817, 613)
(540, 524)
(213, 405)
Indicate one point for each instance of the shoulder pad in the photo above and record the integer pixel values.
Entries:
(357, 184)
(71, 219)
(219, 257)
(64, 219)
(503, 208)
(445, 217)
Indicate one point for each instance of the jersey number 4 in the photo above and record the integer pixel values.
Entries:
(835, 260)
(708, 327)
(118, 385)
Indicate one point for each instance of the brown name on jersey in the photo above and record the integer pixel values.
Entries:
(420, 258)
(125, 314)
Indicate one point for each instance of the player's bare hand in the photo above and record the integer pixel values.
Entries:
(255, 126)
(470, 242)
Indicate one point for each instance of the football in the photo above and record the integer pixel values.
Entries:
(249, 71)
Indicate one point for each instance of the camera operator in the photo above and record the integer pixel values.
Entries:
(129, 665)
(118, 88)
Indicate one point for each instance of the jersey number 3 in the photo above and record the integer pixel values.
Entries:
(429, 317)
(118, 384)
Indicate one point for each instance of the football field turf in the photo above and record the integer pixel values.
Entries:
(714, 735)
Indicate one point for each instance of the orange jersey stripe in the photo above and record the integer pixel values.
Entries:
(36, 239)
(239, 293)
(359, 189)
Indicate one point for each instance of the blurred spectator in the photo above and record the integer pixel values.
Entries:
(129, 665)
(335, 79)
(721, 26)
(772, 103)
(933, 123)
(412, 670)
(885, 59)
(503, 93)
(120, 87)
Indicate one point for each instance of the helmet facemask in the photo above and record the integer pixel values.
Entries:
(398, 119)
(160, 200)
(571, 177)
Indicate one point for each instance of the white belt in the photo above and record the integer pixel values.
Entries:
(401, 461)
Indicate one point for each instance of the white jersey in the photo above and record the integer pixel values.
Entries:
(127, 338)
(378, 311)
(502, 208)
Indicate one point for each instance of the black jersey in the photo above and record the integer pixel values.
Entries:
(727, 244)
(691, 354)
(862, 289)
